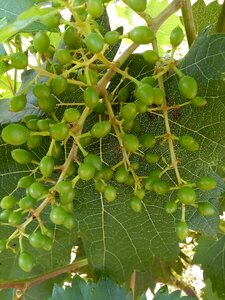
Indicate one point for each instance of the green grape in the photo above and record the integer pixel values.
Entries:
(41, 90)
(151, 56)
(47, 243)
(49, 53)
(4, 215)
(111, 37)
(34, 141)
(43, 124)
(151, 158)
(135, 165)
(110, 193)
(100, 186)
(36, 239)
(206, 209)
(141, 107)
(86, 171)
(123, 94)
(71, 115)
(130, 142)
(186, 195)
(71, 38)
(141, 35)
(56, 150)
(128, 125)
(181, 230)
(100, 108)
(41, 42)
(106, 173)
(26, 261)
(149, 183)
(17, 103)
(198, 101)
(94, 160)
(8, 202)
(46, 166)
(59, 85)
(176, 36)
(188, 87)
(121, 174)
(188, 142)
(149, 80)
(37, 190)
(145, 93)
(27, 202)
(136, 204)
(57, 215)
(15, 134)
(47, 105)
(171, 207)
(59, 131)
(140, 193)
(22, 156)
(130, 180)
(91, 97)
(79, 7)
(95, 8)
(94, 42)
(68, 197)
(159, 96)
(129, 111)
(69, 207)
(51, 21)
(101, 129)
(206, 183)
(15, 218)
(63, 56)
(70, 221)
(147, 140)
(19, 60)
(63, 187)
(160, 187)
(32, 124)
(25, 181)
(137, 5)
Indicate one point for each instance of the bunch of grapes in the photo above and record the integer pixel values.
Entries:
(80, 63)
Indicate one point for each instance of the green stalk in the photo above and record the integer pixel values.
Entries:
(220, 27)
(189, 22)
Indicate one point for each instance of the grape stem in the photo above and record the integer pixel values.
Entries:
(189, 22)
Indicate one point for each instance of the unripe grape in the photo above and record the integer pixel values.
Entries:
(176, 36)
(151, 56)
(57, 215)
(15, 134)
(206, 183)
(198, 101)
(59, 85)
(86, 171)
(59, 131)
(182, 230)
(145, 93)
(101, 129)
(188, 87)
(111, 37)
(46, 166)
(91, 97)
(17, 103)
(8, 202)
(136, 204)
(141, 35)
(206, 209)
(186, 195)
(26, 261)
(19, 60)
(22, 156)
(71, 115)
(41, 42)
(110, 193)
(171, 207)
(129, 111)
(94, 42)
(137, 5)
(130, 142)
(95, 8)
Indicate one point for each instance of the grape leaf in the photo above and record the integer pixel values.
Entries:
(205, 15)
(210, 255)
(10, 9)
(81, 290)
(163, 294)
(208, 293)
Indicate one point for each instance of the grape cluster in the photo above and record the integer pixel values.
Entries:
(81, 63)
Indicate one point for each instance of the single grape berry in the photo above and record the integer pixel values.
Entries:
(47, 104)
(159, 96)
(110, 193)
(137, 5)
(136, 204)
(70, 221)
(176, 36)
(130, 142)
(149, 80)
(188, 87)
(8, 202)
(19, 60)
(206, 183)
(141, 107)
(186, 195)
(145, 93)
(198, 101)
(26, 261)
(160, 187)
(59, 84)
(101, 129)
(182, 230)
(25, 181)
(121, 174)
(100, 186)
(15, 134)
(51, 21)
(36, 239)
(94, 160)
(151, 56)
(57, 215)
(71, 38)
(46, 166)
(91, 97)
(94, 42)
(63, 187)
(86, 171)
(59, 131)
(68, 197)
(123, 94)
(71, 115)
(206, 209)
(63, 56)
(141, 35)
(41, 42)
(34, 141)
(171, 207)
(129, 111)
(15, 218)
(188, 143)
(140, 193)
(22, 156)
(27, 202)
(111, 37)
(41, 90)
(152, 158)
(17, 103)
(147, 140)
(37, 190)
(95, 8)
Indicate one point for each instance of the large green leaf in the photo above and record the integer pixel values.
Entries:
(81, 290)
(208, 293)
(206, 15)
(210, 255)
(10, 9)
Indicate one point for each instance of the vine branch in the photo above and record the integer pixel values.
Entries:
(189, 22)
